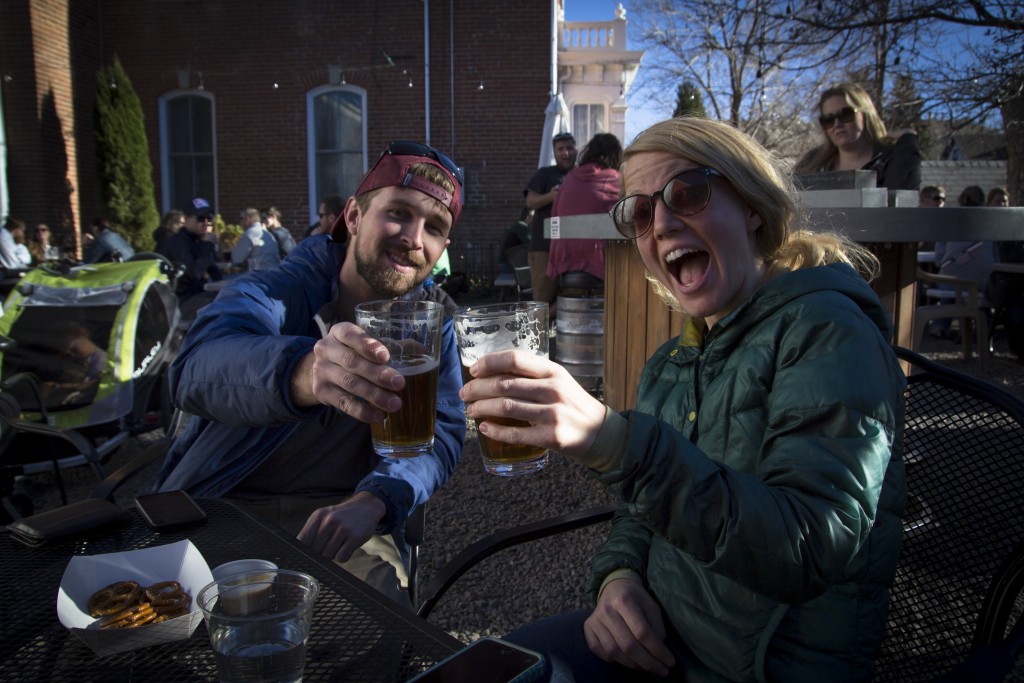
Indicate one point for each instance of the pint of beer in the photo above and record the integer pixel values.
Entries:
(481, 330)
(411, 331)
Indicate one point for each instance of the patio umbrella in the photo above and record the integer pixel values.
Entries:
(556, 120)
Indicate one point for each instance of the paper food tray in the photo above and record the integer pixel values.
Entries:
(86, 574)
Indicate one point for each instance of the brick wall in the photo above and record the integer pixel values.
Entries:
(954, 176)
(261, 131)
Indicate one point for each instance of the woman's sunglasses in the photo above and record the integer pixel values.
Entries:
(415, 149)
(844, 115)
(685, 195)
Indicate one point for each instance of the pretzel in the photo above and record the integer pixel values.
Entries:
(133, 616)
(126, 604)
(114, 598)
(167, 596)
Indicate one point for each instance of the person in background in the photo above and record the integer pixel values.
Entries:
(967, 260)
(21, 252)
(518, 233)
(106, 244)
(998, 196)
(173, 221)
(283, 386)
(8, 248)
(330, 208)
(932, 196)
(760, 478)
(272, 222)
(256, 248)
(591, 187)
(856, 139)
(39, 244)
(189, 249)
(540, 194)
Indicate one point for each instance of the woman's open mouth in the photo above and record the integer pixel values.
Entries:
(687, 266)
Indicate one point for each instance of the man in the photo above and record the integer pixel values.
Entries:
(256, 248)
(106, 245)
(540, 194)
(932, 196)
(272, 221)
(281, 419)
(195, 255)
(330, 209)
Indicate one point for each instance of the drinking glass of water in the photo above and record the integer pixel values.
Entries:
(259, 623)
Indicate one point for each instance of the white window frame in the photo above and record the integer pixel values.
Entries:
(582, 137)
(165, 157)
(314, 200)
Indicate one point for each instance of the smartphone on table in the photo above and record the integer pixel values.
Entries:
(488, 660)
(170, 510)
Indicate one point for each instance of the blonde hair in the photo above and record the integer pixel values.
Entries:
(756, 175)
(825, 155)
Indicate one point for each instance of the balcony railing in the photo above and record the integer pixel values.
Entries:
(593, 35)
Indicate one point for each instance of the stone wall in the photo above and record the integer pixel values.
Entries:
(954, 176)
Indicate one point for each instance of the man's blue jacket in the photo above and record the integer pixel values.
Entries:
(233, 374)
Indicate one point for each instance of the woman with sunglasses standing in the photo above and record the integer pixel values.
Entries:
(856, 139)
(760, 477)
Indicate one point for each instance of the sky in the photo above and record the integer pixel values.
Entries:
(638, 117)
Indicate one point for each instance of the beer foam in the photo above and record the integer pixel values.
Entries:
(413, 365)
(479, 337)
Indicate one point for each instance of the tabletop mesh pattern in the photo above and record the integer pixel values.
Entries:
(965, 472)
(357, 634)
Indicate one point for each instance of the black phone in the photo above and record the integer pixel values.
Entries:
(170, 510)
(488, 660)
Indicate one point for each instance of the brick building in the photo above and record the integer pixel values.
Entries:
(276, 102)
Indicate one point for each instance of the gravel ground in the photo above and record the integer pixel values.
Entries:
(539, 579)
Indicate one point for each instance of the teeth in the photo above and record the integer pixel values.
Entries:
(678, 254)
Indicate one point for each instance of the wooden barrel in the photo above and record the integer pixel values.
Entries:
(579, 345)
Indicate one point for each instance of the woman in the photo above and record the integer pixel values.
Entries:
(760, 477)
(591, 187)
(998, 196)
(39, 245)
(174, 221)
(856, 139)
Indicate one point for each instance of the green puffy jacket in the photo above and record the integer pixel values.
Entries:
(762, 483)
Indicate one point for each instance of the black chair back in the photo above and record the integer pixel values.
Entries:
(963, 444)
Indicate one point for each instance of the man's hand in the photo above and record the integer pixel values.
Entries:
(348, 370)
(336, 531)
(626, 628)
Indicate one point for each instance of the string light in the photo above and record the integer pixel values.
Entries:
(202, 83)
(481, 86)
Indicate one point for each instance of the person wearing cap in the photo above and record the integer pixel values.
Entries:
(540, 195)
(282, 386)
(256, 247)
(189, 250)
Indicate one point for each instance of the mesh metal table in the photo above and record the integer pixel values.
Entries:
(357, 635)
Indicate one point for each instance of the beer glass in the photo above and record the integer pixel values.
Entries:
(411, 331)
(480, 330)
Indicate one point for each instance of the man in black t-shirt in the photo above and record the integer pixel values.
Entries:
(540, 194)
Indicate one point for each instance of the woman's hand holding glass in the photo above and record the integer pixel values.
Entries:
(512, 384)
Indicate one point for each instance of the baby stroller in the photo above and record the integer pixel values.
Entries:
(83, 361)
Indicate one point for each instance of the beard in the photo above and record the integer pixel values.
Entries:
(387, 283)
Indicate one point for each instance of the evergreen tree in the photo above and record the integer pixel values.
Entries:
(689, 101)
(123, 169)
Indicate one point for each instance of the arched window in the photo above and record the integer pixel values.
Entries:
(188, 149)
(336, 139)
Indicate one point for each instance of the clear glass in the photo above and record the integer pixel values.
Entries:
(411, 331)
(259, 623)
(482, 330)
